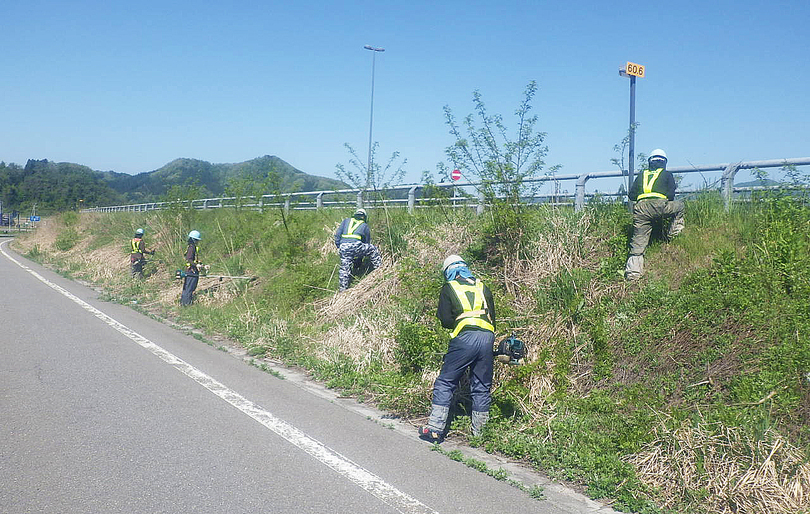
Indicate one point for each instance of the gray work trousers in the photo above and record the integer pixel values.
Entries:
(645, 213)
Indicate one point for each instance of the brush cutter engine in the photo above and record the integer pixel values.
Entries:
(510, 350)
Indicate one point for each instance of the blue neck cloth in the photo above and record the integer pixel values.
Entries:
(459, 270)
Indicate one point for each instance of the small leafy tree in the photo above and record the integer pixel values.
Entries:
(375, 179)
(623, 160)
(795, 177)
(243, 187)
(272, 186)
(180, 198)
(180, 213)
(484, 149)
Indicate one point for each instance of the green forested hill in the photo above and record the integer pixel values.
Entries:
(61, 186)
(53, 186)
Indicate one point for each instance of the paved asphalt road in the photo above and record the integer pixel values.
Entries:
(104, 410)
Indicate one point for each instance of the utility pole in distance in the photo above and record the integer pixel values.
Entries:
(632, 70)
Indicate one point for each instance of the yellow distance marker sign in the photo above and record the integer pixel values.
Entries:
(637, 70)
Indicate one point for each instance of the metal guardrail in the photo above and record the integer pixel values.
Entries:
(310, 200)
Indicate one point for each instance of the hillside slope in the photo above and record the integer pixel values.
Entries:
(685, 392)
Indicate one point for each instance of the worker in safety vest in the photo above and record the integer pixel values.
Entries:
(193, 266)
(653, 190)
(466, 307)
(136, 254)
(353, 240)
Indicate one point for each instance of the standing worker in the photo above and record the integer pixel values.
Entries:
(653, 190)
(193, 265)
(466, 307)
(136, 254)
(353, 240)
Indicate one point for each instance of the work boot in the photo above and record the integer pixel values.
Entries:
(479, 419)
(634, 268)
(434, 431)
(427, 434)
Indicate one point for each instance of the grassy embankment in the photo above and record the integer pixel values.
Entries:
(686, 392)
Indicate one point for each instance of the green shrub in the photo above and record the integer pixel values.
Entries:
(66, 239)
(70, 218)
(418, 347)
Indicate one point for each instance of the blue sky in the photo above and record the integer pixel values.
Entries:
(131, 86)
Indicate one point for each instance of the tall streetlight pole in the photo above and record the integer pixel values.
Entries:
(374, 51)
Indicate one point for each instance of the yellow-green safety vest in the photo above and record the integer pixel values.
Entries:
(135, 245)
(354, 224)
(648, 180)
(196, 256)
(476, 310)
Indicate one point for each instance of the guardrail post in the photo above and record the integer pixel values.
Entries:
(727, 184)
(579, 202)
(287, 206)
(412, 199)
(479, 209)
(359, 199)
(319, 201)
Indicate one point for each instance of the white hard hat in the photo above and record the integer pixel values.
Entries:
(360, 212)
(658, 154)
(194, 235)
(450, 260)
(139, 232)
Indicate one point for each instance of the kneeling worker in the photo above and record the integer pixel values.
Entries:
(653, 190)
(466, 307)
(353, 240)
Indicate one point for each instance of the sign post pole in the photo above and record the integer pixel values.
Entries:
(632, 70)
(455, 175)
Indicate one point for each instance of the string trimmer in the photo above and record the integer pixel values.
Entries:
(180, 274)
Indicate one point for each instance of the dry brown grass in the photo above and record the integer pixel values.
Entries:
(44, 236)
(380, 286)
(364, 337)
(364, 341)
(102, 264)
(725, 472)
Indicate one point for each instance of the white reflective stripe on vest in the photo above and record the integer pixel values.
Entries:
(473, 311)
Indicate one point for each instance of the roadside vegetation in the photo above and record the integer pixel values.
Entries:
(686, 392)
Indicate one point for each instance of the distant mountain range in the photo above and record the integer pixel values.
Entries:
(60, 186)
(762, 182)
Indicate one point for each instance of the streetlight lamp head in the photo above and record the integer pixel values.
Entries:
(374, 48)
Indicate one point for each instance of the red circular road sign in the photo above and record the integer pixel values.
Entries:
(455, 175)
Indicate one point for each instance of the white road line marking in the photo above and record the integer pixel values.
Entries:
(360, 476)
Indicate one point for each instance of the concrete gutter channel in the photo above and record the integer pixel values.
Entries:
(565, 499)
